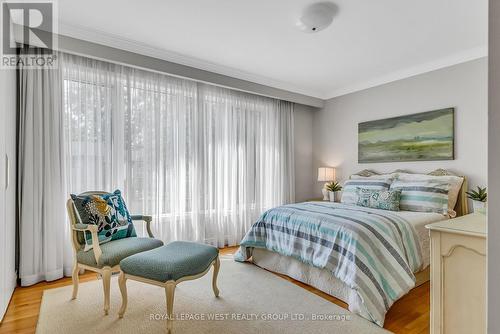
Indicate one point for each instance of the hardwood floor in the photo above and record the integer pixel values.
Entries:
(409, 315)
(24, 307)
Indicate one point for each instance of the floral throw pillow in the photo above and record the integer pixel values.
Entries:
(379, 199)
(108, 212)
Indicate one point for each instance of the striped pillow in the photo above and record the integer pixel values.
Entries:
(423, 196)
(349, 191)
(455, 183)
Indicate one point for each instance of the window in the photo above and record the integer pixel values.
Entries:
(205, 161)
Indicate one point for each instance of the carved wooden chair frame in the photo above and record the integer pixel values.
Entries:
(106, 271)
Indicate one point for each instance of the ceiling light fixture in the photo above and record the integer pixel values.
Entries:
(317, 17)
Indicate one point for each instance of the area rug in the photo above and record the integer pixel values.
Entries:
(251, 300)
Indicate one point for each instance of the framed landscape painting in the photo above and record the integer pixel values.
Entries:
(424, 136)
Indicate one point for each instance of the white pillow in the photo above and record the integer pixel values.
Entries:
(455, 183)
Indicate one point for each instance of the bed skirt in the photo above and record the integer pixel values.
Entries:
(318, 278)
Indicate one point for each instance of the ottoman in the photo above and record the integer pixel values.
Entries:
(167, 266)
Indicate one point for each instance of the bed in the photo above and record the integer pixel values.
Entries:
(401, 262)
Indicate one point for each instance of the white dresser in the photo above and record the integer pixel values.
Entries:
(458, 275)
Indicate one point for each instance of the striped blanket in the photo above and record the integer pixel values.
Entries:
(374, 252)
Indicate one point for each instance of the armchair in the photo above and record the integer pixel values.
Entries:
(104, 259)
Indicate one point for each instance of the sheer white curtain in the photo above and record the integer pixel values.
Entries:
(44, 249)
(203, 160)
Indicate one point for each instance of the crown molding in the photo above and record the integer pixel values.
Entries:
(455, 59)
(111, 40)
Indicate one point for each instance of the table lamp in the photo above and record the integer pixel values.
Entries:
(326, 174)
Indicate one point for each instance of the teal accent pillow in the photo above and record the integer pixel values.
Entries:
(108, 212)
(379, 199)
(349, 195)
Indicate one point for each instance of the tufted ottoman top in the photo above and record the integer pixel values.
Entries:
(171, 262)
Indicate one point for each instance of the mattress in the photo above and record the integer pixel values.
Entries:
(323, 280)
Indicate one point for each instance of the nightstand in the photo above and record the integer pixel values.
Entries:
(458, 275)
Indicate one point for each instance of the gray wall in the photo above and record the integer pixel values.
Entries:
(462, 86)
(303, 121)
(494, 169)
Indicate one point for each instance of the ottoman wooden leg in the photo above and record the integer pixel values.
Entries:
(122, 282)
(214, 278)
(169, 293)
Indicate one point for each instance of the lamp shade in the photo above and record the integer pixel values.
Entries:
(326, 174)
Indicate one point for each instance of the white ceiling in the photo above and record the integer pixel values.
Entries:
(369, 42)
